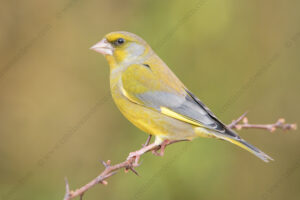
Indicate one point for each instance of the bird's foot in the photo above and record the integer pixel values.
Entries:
(162, 148)
(134, 157)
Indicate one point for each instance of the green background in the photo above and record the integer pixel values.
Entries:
(57, 118)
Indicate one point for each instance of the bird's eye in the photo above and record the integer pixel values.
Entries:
(119, 41)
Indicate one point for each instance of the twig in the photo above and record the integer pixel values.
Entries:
(108, 172)
(243, 123)
(238, 120)
(132, 162)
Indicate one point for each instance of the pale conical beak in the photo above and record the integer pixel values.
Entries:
(103, 47)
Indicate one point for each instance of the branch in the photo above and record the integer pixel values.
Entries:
(132, 161)
(243, 123)
(108, 172)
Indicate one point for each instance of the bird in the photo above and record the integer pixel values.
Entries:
(152, 98)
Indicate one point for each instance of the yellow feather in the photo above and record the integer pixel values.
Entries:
(175, 115)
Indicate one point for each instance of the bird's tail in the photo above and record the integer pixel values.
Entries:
(252, 149)
(232, 137)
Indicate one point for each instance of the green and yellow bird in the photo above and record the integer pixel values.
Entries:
(150, 95)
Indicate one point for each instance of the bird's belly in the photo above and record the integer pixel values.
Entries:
(153, 122)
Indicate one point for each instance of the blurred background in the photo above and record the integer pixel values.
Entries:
(57, 118)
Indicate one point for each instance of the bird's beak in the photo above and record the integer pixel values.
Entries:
(103, 47)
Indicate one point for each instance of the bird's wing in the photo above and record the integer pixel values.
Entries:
(155, 90)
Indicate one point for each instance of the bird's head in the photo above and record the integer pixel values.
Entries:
(121, 46)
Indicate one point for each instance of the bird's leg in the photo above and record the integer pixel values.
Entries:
(136, 154)
(147, 141)
(163, 146)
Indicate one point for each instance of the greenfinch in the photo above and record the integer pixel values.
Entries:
(151, 97)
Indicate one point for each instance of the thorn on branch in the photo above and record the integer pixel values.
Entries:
(106, 164)
(134, 171)
(235, 122)
(81, 196)
(68, 194)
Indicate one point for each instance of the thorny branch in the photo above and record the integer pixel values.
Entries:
(132, 162)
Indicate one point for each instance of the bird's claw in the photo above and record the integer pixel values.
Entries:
(134, 157)
(162, 148)
(156, 152)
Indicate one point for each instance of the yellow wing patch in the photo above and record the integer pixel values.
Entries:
(175, 115)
